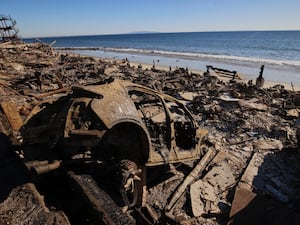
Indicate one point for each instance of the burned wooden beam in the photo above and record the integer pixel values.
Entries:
(103, 206)
(189, 179)
(12, 114)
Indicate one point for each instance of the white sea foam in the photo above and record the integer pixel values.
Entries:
(205, 56)
(190, 55)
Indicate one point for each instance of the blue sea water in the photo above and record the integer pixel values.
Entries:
(243, 51)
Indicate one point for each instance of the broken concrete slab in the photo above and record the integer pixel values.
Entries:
(200, 193)
(268, 144)
(252, 105)
(221, 177)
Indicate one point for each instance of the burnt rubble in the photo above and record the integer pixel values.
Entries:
(251, 175)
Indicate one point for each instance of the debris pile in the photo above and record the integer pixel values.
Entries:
(253, 135)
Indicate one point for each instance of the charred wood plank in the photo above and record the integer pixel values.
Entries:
(12, 114)
(103, 205)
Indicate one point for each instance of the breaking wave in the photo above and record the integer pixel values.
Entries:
(190, 55)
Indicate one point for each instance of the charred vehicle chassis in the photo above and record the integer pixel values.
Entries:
(127, 125)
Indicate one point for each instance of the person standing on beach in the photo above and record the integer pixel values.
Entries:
(260, 81)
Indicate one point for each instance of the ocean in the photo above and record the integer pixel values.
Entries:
(242, 51)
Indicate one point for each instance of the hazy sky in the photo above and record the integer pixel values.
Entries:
(39, 18)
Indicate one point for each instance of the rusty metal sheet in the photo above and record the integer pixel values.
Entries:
(114, 106)
(242, 197)
(114, 110)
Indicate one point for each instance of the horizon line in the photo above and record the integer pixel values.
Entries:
(153, 32)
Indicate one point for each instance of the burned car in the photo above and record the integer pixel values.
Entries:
(121, 122)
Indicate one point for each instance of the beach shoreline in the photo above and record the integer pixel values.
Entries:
(244, 78)
(267, 84)
(197, 66)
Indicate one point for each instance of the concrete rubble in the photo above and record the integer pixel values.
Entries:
(251, 177)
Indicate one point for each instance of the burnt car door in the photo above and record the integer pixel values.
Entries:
(174, 133)
(186, 136)
(152, 111)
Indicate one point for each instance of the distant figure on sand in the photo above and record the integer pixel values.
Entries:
(260, 80)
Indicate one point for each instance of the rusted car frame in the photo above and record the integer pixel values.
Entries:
(115, 121)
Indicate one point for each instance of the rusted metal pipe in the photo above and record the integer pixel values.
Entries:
(41, 167)
(35, 163)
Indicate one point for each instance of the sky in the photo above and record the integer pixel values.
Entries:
(45, 18)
